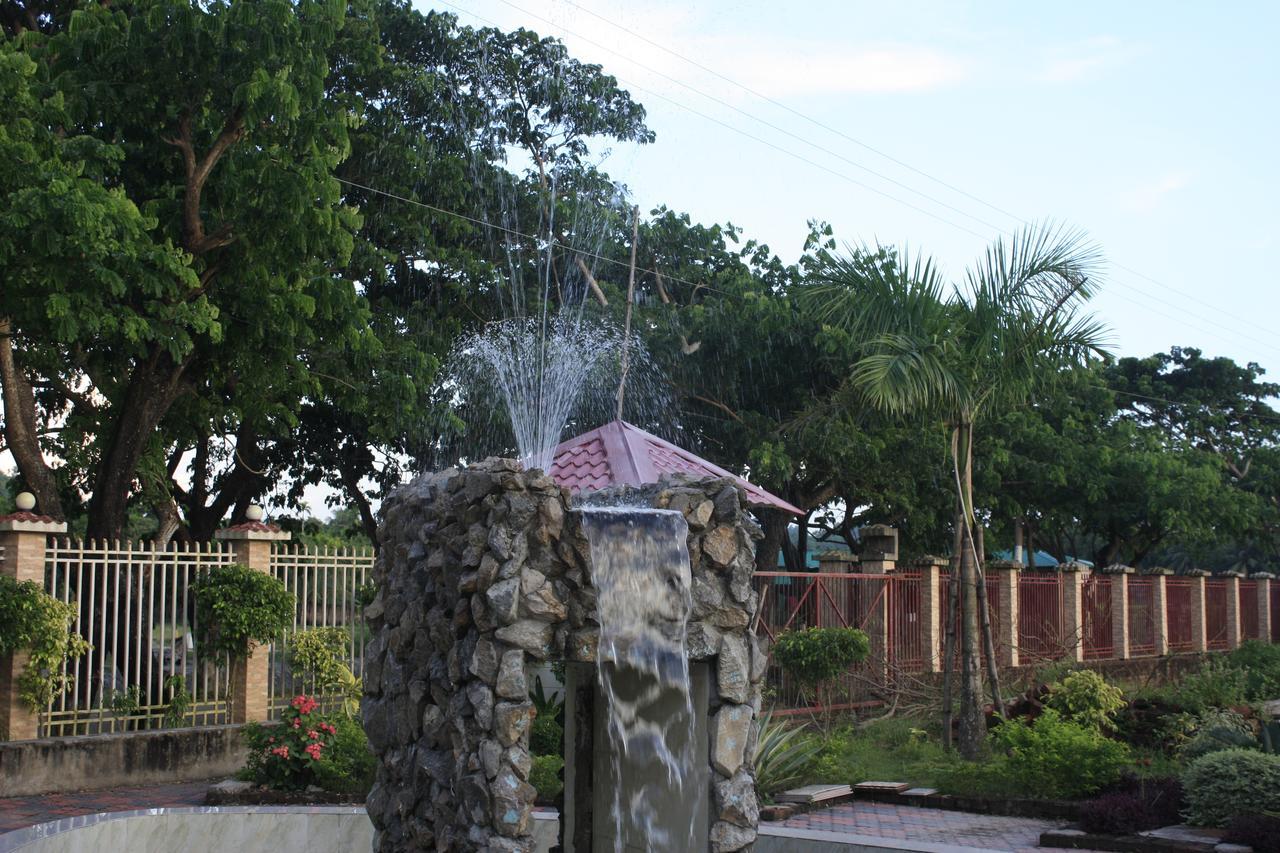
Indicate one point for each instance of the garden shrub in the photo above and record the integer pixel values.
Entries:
(1261, 832)
(285, 756)
(1056, 758)
(1084, 697)
(1260, 663)
(546, 736)
(320, 656)
(1154, 722)
(783, 754)
(237, 607)
(1217, 730)
(31, 620)
(1221, 785)
(1217, 684)
(348, 767)
(545, 777)
(815, 657)
(1134, 804)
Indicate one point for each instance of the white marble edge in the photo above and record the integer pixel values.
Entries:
(15, 840)
(865, 842)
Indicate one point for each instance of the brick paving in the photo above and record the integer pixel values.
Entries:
(21, 812)
(936, 826)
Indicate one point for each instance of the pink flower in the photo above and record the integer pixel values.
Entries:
(297, 724)
(314, 751)
(313, 735)
(282, 751)
(304, 704)
(271, 740)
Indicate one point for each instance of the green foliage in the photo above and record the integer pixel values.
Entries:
(286, 756)
(545, 777)
(1084, 697)
(783, 754)
(35, 622)
(882, 749)
(1260, 663)
(237, 607)
(1231, 782)
(1055, 758)
(546, 736)
(347, 766)
(319, 655)
(180, 700)
(814, 656)
(1217, 684)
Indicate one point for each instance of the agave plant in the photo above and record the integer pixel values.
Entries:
(782, 755)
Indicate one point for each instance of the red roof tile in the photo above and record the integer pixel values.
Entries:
(620, 452)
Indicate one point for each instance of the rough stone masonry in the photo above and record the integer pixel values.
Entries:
(482, 570)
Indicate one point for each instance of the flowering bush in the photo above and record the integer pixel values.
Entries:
(288, 756)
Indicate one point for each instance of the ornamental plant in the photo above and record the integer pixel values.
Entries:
(816, 657)
(1084, 697)
(1052, 757)
(288, 756)
(238, 607)
(318, 655)
(33, 621)
(1231, 782)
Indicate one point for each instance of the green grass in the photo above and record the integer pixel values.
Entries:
(892, 750)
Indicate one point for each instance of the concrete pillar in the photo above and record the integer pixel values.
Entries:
(1120, 611)
(933, 608)
(22, 536)
(1199, 636)
(251, 543)
(1073, 575)
(1005, 629)
(1264, 579)
(879, 552)
(1234, 630)
(1160, 604)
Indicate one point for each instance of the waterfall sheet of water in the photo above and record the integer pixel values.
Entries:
(640, 569)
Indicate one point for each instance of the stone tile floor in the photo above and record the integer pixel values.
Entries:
(883, 820)
(936, 826)
(20, 812)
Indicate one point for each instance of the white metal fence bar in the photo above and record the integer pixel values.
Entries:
(136, 610)
(326, 584)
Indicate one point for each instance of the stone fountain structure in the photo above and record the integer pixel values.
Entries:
(487, 570)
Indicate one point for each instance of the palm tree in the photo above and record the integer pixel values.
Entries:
(957, 354)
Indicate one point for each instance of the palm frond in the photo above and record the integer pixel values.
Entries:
(1041, 268)
(902, 373)
(870, 292)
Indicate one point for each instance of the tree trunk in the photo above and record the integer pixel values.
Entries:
(972, 725)
(21, 429)
(988, 639)
(775, 533)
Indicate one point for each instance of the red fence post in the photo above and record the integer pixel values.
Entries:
(1005, 621)
(1073, 577)
(1120, 611)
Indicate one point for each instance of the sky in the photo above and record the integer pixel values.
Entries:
(939, 125)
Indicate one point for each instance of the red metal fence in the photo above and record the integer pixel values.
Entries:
(1096, 611)
(1142, 615)
(886, 607)
(992, 585)
(1177, 600)
(1040, 634)
(1216, 595)
(1248, 610)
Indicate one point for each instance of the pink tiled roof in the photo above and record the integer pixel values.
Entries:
(620, 452)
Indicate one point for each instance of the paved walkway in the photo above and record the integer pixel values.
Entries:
(20, 812)
(882, 820)
(935, 826)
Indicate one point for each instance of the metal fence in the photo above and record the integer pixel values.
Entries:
(1143, 615)
(1177, 600)
(1040, 624)
(886, 607)
(1248, 610)
(1216, 604)
(136, 610)
(1099, 642)
(326, 584)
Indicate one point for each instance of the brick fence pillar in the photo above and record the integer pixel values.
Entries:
(1120, 611)
(1160, 619)
(1073, 576)
(1199, 634)
(1005, 629)
(22, 536)
(933, 608)
(251, 543)
(1264, 579)
(1234, 630)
